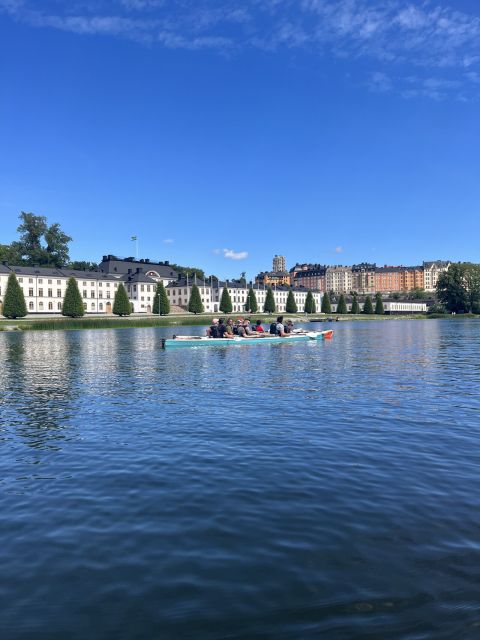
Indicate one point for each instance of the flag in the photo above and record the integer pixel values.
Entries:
(134, 238)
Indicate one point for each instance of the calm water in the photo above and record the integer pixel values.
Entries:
(287, 491)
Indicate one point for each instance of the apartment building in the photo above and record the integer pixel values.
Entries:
(279, 263)
(431, 271)
(313, 279)
(339, 279)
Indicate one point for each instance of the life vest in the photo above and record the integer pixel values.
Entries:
(235, 330)
(273, 328)
(214, 333)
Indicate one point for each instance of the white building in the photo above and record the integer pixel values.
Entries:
(339, 279)
(211, 294)
(431, 271)
(279, 263)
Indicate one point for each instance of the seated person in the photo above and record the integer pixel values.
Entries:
(222, 328)
(212, 331)
(229, 329)
(258, 326)
(289, 327)
(280, 328)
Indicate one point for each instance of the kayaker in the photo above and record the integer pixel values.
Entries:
(222, 328)
(212, 331)
(229, 329)
(280, 328)
(258, 327)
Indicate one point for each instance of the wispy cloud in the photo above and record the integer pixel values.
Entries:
(428, 40)
(168, 241)
(235, 255)
(339, 249)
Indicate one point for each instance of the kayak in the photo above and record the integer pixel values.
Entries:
(265, 338)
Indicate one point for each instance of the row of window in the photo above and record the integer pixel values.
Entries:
(50, 307)
(92, 283)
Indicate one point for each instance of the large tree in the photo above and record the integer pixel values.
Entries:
(121, 303)
(326, 306)
(195, 304)
(269, 304)
(291, 305)
(82, 265)
(39, 243)
(161, 303)
(451, 289)
(368, 306)
(310, 306)
(472, 286)
(14, 303)
(342, 305)
(355, 306)
(379, 310)
(226, 302)
(72, 302)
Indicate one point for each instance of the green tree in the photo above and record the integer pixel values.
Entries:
(291, 305)
(8, 253)
(379, 310)
(355, 306)
(451, 289)
(225, 301)
(342, 305)
(269, 305)
(251, 304)
(472, 286)
(368, 306)
(326, 306)
(161, 302)
(14, 303)
(310, 306)
(82, 265)
(418, 294)
(121, 303)
(195, 304)
(72, 302)
(30, 247)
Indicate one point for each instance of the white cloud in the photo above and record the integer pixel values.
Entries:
(168, 241)
(429, 36)
(235, 255)
(339, 249)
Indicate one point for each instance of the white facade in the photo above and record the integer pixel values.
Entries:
(44, 288)
(394, 307)
(179, 294)
(279, 263)
(431, 271)
(339, 279)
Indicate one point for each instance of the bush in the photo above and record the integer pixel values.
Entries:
(195, 304)
(379, 310)
(326, 306)
(72, 306)
(342, 305)
(368, 307)
(269, 306)
(14, 304)
(310, 306)
(291, 305)
(121, 304)
(162, 298)
(225, 301)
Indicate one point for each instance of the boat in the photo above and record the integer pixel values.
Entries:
(262, 338)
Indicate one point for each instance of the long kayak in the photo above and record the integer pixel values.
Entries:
(265, 338)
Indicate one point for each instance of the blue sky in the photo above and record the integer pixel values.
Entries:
(221, 132)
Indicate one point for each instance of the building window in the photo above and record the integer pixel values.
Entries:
(100, 294)
(92, 284)
(40, 281)
(40, 305)
(84, 284)
(30, 306)
(108, 294)
(142, 288)
(108, 284)
(50, 293)
(49, 282)
(59, 293)
(85, 306)
(100, 284)
(30, 292)
(20, 279)
(59, 282)
(92, 306)
(100, 306)
(92, 294)
(84, 293)
(30, 280)
(50, 306)
(59, 306)
(40, 292)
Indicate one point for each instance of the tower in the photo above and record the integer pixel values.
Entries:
(279, 263)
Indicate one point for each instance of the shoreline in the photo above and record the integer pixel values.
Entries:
(59, 323)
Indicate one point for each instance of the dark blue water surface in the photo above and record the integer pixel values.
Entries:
(262, 491)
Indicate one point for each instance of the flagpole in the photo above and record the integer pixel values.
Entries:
(135, 239)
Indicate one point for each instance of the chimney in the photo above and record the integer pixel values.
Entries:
(166, 263)
(139, 270)
(129, 271)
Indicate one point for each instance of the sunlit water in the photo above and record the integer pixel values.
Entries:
(264, 491)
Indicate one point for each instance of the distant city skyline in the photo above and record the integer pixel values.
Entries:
(333, 132)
